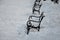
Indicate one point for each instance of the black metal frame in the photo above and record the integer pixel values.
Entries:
(41, 16)
(29, 24)
(35, 4)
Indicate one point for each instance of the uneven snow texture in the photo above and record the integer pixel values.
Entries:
(15, 13)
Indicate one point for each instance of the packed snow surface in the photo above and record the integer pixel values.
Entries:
(14, 15)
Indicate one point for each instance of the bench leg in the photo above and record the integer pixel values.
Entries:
(28, 30)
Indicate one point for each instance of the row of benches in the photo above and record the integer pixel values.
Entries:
(39, 16)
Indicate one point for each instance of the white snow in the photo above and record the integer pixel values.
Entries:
(14, 15)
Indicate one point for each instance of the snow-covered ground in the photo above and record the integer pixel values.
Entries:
(14, 14)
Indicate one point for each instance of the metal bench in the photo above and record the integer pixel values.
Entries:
(29, 24)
